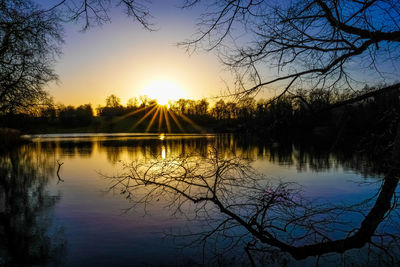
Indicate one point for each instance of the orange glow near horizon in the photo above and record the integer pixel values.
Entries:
(164, 91)
(121, 58)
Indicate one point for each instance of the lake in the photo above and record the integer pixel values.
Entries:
(75, 218)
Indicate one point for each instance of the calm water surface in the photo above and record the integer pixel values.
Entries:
(79, 221)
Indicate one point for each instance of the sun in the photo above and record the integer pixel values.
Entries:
(164, 91)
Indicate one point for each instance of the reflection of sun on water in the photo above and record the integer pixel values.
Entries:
(163, 152)
(164, 91)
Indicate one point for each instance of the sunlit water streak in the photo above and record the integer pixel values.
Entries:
(98, 232)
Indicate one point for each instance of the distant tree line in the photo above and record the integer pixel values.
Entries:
(314, 112)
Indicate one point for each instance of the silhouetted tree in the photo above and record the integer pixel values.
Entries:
(29, 42)
(97, 12)
(112, 108)
(202, 107)
(144, 100)
(30, 38)
(219, 110)
(67, 115)
(113, 101)
(132, 102)
(71, 116)
(311, 43)
(84, 114)
(50, 113)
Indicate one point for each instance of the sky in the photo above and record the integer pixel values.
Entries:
(124, 59)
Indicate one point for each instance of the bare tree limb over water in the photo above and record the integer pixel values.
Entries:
(261, 214)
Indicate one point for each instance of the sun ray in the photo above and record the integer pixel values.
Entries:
(167, 120)
(119, 118)
(176, 121)
(196, 126)
(132, 113)
(143, 118)
(153, 119)
(160, 118)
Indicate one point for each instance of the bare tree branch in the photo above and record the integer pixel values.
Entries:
(314, 42)
(273, 213)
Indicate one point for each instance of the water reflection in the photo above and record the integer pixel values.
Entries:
(26, 233)
(94, 225)
(303, 157)
(240, 207)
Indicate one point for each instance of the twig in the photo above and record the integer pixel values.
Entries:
(58, 171)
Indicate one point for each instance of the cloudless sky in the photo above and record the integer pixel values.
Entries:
(122, 58)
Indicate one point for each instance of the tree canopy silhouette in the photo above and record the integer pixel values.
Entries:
(30, 39)
(29, 42)
(311, 44)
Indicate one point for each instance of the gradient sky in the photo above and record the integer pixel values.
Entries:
(122, 58)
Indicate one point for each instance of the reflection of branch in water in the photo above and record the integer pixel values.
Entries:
(272, 214)
(58, 171)
(27, 235)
